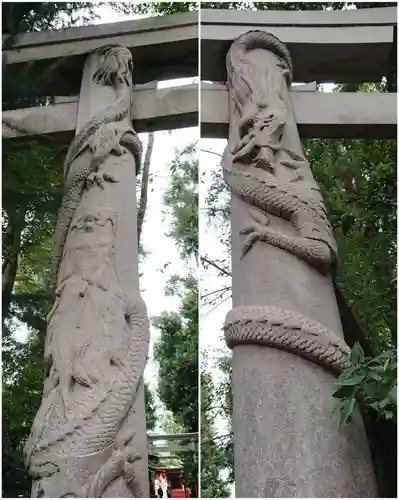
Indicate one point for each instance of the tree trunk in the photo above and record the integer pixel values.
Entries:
(284, 328)
(88, 438)
(351, 329)
(144, 186)
(10, 264)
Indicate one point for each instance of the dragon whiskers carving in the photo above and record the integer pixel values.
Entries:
(76, 447)
(256, 155)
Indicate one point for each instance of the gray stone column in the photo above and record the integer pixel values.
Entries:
(284, 327)
(89, 435)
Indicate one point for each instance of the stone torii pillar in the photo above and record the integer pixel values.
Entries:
(89, 436)
(284, 327)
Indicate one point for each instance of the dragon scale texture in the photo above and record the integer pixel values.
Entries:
(251, 162)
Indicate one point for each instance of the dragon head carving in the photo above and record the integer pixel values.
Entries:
(117, 66)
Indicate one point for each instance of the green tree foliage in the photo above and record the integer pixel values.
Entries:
(357, 179)
(22, 88)
(177, 350)
(164, 8)
(217, 450)
(151, 414)
(21, 17)
(372, 380)
(177, 355)
(212, 486)
(29, 208)
(22, 384)
(182, 199)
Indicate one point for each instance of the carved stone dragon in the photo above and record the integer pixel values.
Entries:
(288, 330)
(75, 448)
(94, 431)
(251, 163)
(263, 171)
(102, 135)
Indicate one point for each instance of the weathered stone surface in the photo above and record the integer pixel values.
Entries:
(163, 47)
(317, 114)
(286, 443)
(152, 109)
(88, 438)
(324, 115)
(327, 46)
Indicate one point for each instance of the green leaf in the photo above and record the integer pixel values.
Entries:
(384, 391)
(346, 411)
(393, 395)
(355, 379)
(346, 373)
(375, 376)
(344, 392)
(357, 354)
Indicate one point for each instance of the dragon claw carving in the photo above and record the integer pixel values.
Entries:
(107, 140)
(254, 231)
(121, 463)
(99, 178)
(129, 469)
(254, 147)
(116, 359)
(257, 153)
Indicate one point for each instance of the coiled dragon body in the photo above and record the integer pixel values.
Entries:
(103, 134)
(82, 432)
(250, 162)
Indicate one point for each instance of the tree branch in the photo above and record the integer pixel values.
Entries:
(225, 272)
(211, 152)
(144, 186)
(224, 289)
(10, 265)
